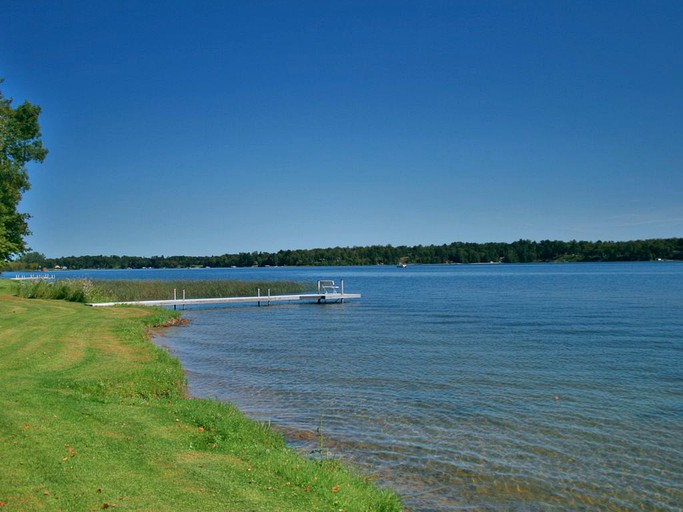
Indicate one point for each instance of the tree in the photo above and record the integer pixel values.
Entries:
(20, 143)
(33, 260)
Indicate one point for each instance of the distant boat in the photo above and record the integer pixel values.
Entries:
(402, 265)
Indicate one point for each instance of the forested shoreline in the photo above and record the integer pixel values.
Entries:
(521, 251)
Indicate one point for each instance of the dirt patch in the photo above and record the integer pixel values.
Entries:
(158, 330)
(175, 322)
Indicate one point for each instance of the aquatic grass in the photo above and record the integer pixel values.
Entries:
(158, 289)
(95, 416)
(80, 290)
(85, 290)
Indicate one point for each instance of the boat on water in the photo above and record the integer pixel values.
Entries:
(402, 265)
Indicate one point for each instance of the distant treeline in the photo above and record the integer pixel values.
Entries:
(521, 251)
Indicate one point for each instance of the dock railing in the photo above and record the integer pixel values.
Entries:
(328, 287)
(33, 277)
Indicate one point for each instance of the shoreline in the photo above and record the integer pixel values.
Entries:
(304, 442)
(96, 415)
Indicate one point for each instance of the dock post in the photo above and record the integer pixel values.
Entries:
(341, 287)
(175, 297)
(183, 300)
(269, 296)
(258, 294)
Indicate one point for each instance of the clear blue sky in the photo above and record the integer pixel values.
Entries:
(201, 128)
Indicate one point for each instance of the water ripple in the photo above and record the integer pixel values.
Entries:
(508, 388)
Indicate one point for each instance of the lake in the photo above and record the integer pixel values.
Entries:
(464, 387)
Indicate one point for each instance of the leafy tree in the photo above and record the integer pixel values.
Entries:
(33, 260)
(20, 144)
(520, 251)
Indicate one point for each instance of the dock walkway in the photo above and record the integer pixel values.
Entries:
(33, 277)
(327, 292)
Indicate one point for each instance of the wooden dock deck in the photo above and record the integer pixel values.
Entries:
(327, 293)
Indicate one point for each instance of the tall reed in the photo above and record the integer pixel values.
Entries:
(83, 290)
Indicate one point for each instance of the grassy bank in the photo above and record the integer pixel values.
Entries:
(85, 290)
(94, 416)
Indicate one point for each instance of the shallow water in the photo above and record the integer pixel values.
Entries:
(478, 387)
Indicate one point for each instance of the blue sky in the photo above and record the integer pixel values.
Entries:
(202, 128)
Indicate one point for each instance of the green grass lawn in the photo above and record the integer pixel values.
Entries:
(94, 416)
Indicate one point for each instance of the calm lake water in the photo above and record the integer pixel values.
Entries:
(473, 387)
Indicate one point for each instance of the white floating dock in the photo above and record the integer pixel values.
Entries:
(33, 277)
(327, 292)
